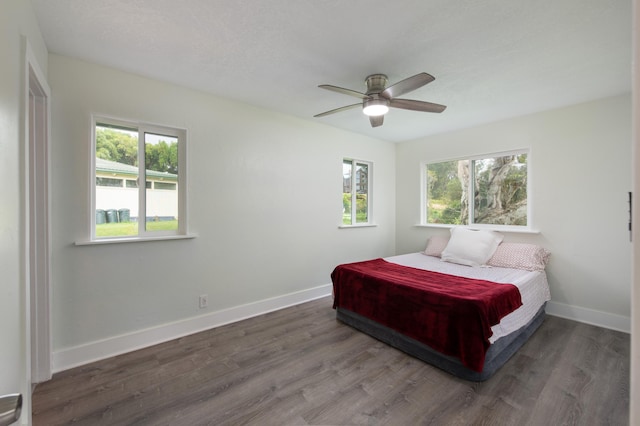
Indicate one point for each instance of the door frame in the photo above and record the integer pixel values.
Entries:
(37, 211)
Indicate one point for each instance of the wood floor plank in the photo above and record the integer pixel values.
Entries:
(300, 366)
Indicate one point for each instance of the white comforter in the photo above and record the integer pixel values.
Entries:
(533, 286)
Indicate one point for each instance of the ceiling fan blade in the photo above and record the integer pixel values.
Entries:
(407, 85)
(416, 105)
(333, 111)
(344, 91)
(376, 120)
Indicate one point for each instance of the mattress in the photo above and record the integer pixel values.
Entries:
(533, 286)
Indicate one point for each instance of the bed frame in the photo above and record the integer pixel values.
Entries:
(497, 355)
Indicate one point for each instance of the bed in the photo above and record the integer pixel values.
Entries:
(467, 317)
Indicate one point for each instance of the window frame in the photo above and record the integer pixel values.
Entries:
(528, 228)
(143, 233)
(354, 163)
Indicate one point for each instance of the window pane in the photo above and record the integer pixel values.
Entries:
(103, 181)
(346, 192)
(116, 160)
(165, 185)
(362, 193)
(447, 187)
(501, 190)
(161, 165)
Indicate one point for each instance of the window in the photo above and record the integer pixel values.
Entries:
(125, 155)
(356, 192)
(487, 190)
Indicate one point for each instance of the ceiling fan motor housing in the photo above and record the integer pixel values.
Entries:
(376, 83)
(375, 105)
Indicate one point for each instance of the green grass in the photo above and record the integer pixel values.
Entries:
(360, 218)
(128, 229)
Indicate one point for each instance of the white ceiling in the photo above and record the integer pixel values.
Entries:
(492, 59)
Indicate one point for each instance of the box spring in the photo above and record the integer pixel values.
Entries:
(497, 354)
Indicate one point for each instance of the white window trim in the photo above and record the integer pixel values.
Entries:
(528, 229)
(369, 223)
(119, 240)
(500, 228)
(143, 235)
(359, 225)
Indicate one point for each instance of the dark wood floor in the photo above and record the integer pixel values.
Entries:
(299, 366)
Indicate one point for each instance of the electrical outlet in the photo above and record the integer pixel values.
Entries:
(203, 301)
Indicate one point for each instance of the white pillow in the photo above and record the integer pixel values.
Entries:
(471, 247)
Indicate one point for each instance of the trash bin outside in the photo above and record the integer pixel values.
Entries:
(124, 215)
(100, 216)
(112, 216)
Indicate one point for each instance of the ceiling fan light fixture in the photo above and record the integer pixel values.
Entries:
(375, 107)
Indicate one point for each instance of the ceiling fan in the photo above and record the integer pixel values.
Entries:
(378, 98)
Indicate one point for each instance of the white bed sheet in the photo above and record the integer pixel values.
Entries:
(533, 286)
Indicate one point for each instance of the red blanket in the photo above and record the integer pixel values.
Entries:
(451, 314)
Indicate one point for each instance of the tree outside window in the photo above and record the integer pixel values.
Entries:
(487, 190)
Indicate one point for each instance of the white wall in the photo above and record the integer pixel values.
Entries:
(264, 198)
(634, 417)
(581, 172)
(17, 20)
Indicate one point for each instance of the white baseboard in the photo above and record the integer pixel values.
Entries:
(589, 316)
(67, 358)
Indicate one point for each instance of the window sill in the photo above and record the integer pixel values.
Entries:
(498, 228)
(134, 240)
(361, 225)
